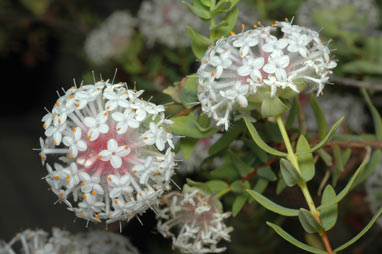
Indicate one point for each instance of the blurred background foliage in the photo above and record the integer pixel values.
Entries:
(42, 48)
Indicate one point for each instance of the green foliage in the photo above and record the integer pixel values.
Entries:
(273, 106)
(189, 126)
(187, 146)
(189, 91)
(199, 43)
(241, 167)
(211, 187)
(272, 206)
(198, 11)
(305, 159)
(322, 123)
(328, 136)
(227, 138)
(238, 204)
(308, 222)
(281, 232)
(226, 24)
(328, 215)
(289, 173)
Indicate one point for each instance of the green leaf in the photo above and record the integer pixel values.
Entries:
(199, 43)
(198, 11)
(308, 222)
(360, 234)
(320, 116)
(257, 151)
(187, 146)
(199, 185)
(339, 165)
(230, 18)
(239, 186)
(328, 136)
(221, 7)
(267, 173)
(314, 241)
(261, 185)
(189, 92)
(188, 126)
(227, 138)
(290, 174)
(272, 206)
(204, 121)
(206, 3)
(375, 115)
(330, 214)
(216, 186)
(273, 106)
(281, 232)
(327, 158)
(260, 142)
(305, 160)
(240, 165)
(370, 167)
(348, 186)
(173, 93)
(281, 185)
(225, 171)
(238, 204)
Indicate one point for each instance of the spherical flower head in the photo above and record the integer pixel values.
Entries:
(111, 39)
(114, 151)
(341, 14)
(63, 242)
(255, 68)
(374, 191)
(165, 21)
(194, 221)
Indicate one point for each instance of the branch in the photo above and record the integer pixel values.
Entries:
(355, 83)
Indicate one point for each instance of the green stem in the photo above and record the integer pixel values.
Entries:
(292, 157)
(223, 192)
(212, 22)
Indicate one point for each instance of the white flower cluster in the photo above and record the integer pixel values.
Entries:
(62, 242)
(366, 12)
(247, 63)
(111, 38)
(194, 221)
(336, 106)
(374, 191)
(113, 151)
(165, 21)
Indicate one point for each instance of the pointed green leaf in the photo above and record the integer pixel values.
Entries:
(326, 157)
(230, 18)
(221, 7)
(308, 222)
(216, 186)
(238, 204)
(328, 136)
(328, 215)
(261, 185)
(199, 43)
(240, 165)
(206, 3)
(281, 232)
(289, 173)
(292, 115)
(281, 185)
(348, 186)
(360, 234)
(187, 146)
(305, 160)
(267, 173)
(188, 126)
(273, 106)
(227, 138)
(259, 141)
(239, 186)
(189, 92)
(320, 116)
(198, 11)
(270, 205)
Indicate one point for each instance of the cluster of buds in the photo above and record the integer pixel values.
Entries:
(114, 151)
(194, 221)
(255, 68)
(62, 242)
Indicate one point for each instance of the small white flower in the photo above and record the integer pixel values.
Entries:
(91, 184)
(125, 120)
(116, 99)
(277, 64)
(155, 136)
(251, 66)
(114, 153)
(299, 44)
(245, 43)
(274, 46)
(71, 174)
(90, 203)
(55, 131)
(75, 143)
(97, 125)
(145, 170)
(119, 185)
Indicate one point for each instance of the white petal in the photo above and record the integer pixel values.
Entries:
(115, 192)
(268, 47)
(282, 43)
(77, 133)
(85, 177)
(125, 180)
(81, 145)
(112, 145)
(118, 116)
(93, 134)
(90, 122)
(269, 68)
(103, 128)
(159, 144)
(123, 151)
(258, 63)
(133, 123)
(122, 127)
(281, 74)
(244, 70)
(68, 141)
(116, 161)
(284, 61)
(113, 180)
(105, 155)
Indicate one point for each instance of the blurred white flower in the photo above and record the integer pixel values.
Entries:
(194, 221)
(111, 38)
(165, 21)
(374, 191)
(100, 162)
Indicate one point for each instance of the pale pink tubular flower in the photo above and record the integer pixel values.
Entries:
(258, 63)
(107, 135)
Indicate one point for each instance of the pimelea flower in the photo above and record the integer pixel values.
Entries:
(257, 67)
(111, 38)
(63, 242)
(336, 106)
(343, 14)
(113, 150)
(374, 191)
(194, 221)
(165, 21)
